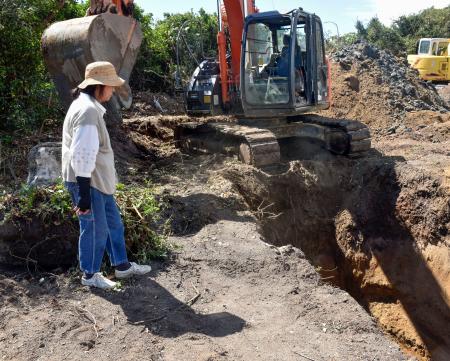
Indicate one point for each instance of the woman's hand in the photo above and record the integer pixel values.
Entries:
(79, 212)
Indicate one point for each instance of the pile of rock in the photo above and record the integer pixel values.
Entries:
(407, 92)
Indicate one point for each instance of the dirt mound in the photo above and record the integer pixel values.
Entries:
(149, 103)
(373, 86)
(444, 92)
(377, 227)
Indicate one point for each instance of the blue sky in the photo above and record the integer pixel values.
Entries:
(344, 13)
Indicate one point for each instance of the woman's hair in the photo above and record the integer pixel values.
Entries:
(90, 90)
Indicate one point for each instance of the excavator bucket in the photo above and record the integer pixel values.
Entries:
(68, 46)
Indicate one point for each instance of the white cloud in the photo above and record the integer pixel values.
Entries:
(389, 10)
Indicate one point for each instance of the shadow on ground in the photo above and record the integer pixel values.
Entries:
(151, 305)
(191, 213)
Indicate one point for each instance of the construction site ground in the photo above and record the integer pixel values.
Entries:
(323, 258)
(225, 294)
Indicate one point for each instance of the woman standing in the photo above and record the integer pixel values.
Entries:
(90, 176)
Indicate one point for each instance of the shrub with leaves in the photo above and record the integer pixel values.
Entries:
(405, 32)
(50, 205)
(146, 230)
(27, 95)
(156, 63)
(46, 213)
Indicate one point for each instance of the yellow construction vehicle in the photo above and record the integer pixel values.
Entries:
(432, 59)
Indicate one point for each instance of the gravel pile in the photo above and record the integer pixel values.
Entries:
(406, 91)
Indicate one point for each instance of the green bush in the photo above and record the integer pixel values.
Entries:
(156, 64)
(406, 31)
(50, 205)
(146, 230)
(27, 96)
(429, 23)
(335, 43)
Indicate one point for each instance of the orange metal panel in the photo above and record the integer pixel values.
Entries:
(222, 44)
(235, 20)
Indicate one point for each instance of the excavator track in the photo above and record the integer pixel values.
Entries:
(359, 140)
(259, 146)
(252, 145)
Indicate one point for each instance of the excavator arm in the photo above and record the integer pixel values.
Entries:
(110, 33)
(120, 7)
(232, 16)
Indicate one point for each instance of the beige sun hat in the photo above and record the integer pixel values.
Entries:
(101, 73)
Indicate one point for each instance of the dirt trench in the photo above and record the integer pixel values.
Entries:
(377, 227)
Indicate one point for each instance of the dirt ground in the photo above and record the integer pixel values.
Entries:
(224, 295)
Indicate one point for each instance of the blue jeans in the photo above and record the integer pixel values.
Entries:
(101, 229)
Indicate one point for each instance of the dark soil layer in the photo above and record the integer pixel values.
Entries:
(377, 227)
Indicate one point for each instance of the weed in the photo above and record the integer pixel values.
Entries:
(146, 231)
(51, 205)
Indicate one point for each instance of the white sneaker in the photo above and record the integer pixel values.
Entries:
(99, 281)
(134, 270)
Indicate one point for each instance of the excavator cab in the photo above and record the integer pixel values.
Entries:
(432, 59)
(276, 74)
(284, 71)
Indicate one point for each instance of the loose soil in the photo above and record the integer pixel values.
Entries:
(225, 294)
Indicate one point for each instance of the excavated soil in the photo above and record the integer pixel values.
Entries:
(224, 294)
(377, 227)
(382, 91)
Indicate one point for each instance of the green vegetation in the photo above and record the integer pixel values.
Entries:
(334, 43)
(146, 230)
(156, 65)
(51, 205)
(405, 32)
(430, 23)
(27, 95)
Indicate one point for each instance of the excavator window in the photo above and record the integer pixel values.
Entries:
(442, 49)
(300, 64)
(322, 69)
(434, 48)
(424, 46)
(267, 54)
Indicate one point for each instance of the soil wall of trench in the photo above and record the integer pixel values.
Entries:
(377, 227)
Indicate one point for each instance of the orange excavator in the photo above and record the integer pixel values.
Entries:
(271, 73)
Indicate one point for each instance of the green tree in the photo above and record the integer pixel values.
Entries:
(406, 31)
(26, 91)
(361, 31)
(156, 64)
(382, 36)
(334, 43)
(429, 23)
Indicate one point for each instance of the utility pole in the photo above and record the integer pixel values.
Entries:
(337, 29)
